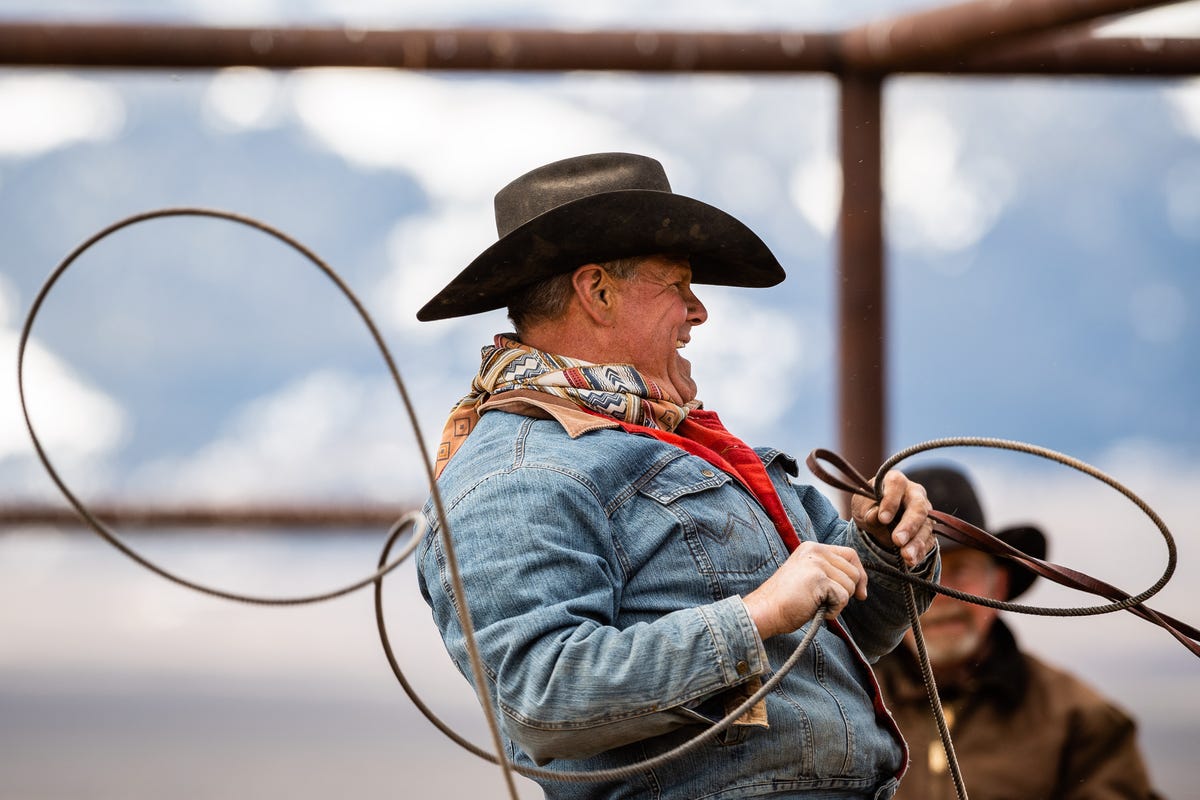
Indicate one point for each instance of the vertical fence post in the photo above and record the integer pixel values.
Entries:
(862, 373)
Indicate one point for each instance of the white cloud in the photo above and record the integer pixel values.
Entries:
(243, 98)
(326, 434)
(238, 12)
(73, 420)
(43, 112)
(462, 141)
(423, 251)
(936, 200)
(749, 182)
(816, 191)
(8, 303)
(1185, 103)
(748, 360)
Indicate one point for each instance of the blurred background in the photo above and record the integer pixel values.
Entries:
(1043, 249)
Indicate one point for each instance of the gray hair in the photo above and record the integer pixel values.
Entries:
(547, 300)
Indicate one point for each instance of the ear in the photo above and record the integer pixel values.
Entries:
(594, 289)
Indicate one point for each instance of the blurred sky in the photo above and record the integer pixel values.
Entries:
(1044, 262)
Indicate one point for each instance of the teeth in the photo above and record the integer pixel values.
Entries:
(680, 344)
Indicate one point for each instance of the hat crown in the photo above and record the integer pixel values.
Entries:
(561, 182)
(950, 491)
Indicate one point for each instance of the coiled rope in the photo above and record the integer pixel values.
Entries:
(108, 536)
(850, 481)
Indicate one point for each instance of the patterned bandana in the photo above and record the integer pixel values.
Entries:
(612, 390)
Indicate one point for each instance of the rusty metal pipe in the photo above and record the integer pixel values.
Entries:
(188, 47)
(862, 382)
(297, 516)
(191, 47)
(1076, 53)
(906, 42)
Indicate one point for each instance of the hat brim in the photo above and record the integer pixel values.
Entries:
(1026, 538)
(603, 227)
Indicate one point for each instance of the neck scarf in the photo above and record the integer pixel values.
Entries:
(611, 390)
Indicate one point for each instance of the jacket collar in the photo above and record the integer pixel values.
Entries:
(528, 403)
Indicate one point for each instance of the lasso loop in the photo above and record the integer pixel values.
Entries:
(850, 480)
(968, 535)
(105, 533)
(1073, 463)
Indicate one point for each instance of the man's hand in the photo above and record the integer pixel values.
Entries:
(913, 534)
(814, 575)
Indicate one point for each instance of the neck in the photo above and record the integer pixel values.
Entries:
(570, 336)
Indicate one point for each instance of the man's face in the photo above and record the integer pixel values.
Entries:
(954, 630)
(654, 314)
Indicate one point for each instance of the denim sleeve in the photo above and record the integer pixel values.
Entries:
(544, 585)
(879, 622)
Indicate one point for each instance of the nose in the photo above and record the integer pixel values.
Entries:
(697, 313)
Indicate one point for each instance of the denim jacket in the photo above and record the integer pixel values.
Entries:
(604, 574)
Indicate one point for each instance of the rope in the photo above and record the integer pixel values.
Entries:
(931, 692)
(855, 483)
(103, 531)
(960, 531)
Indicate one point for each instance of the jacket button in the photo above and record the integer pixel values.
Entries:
(708, 473)
(742, 668)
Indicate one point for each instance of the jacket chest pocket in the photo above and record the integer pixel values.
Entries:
(727, 532)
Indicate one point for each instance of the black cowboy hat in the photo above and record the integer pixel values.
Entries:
(950, 491)
(597, 208)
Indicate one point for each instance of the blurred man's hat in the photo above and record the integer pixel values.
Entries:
(597, 208)
(951, 492)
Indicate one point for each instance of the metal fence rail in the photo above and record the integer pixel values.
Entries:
(298, 516)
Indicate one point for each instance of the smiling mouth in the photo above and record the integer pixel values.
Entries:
(680, 344)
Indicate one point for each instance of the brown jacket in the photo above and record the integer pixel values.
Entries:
(1022, 730)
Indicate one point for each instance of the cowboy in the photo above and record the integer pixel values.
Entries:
(633, 570)
(1021, 728)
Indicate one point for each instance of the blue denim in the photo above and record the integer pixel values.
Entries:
(604, 577)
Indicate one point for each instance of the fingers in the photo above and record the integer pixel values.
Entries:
(844, 574)
(815, 576)
(836, 574)
(913, 533)
(919, 545)
(894, 485)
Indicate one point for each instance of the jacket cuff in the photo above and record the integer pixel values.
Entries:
(740, 651)
(927, 569)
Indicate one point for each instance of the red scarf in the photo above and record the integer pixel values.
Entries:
(702, 434)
